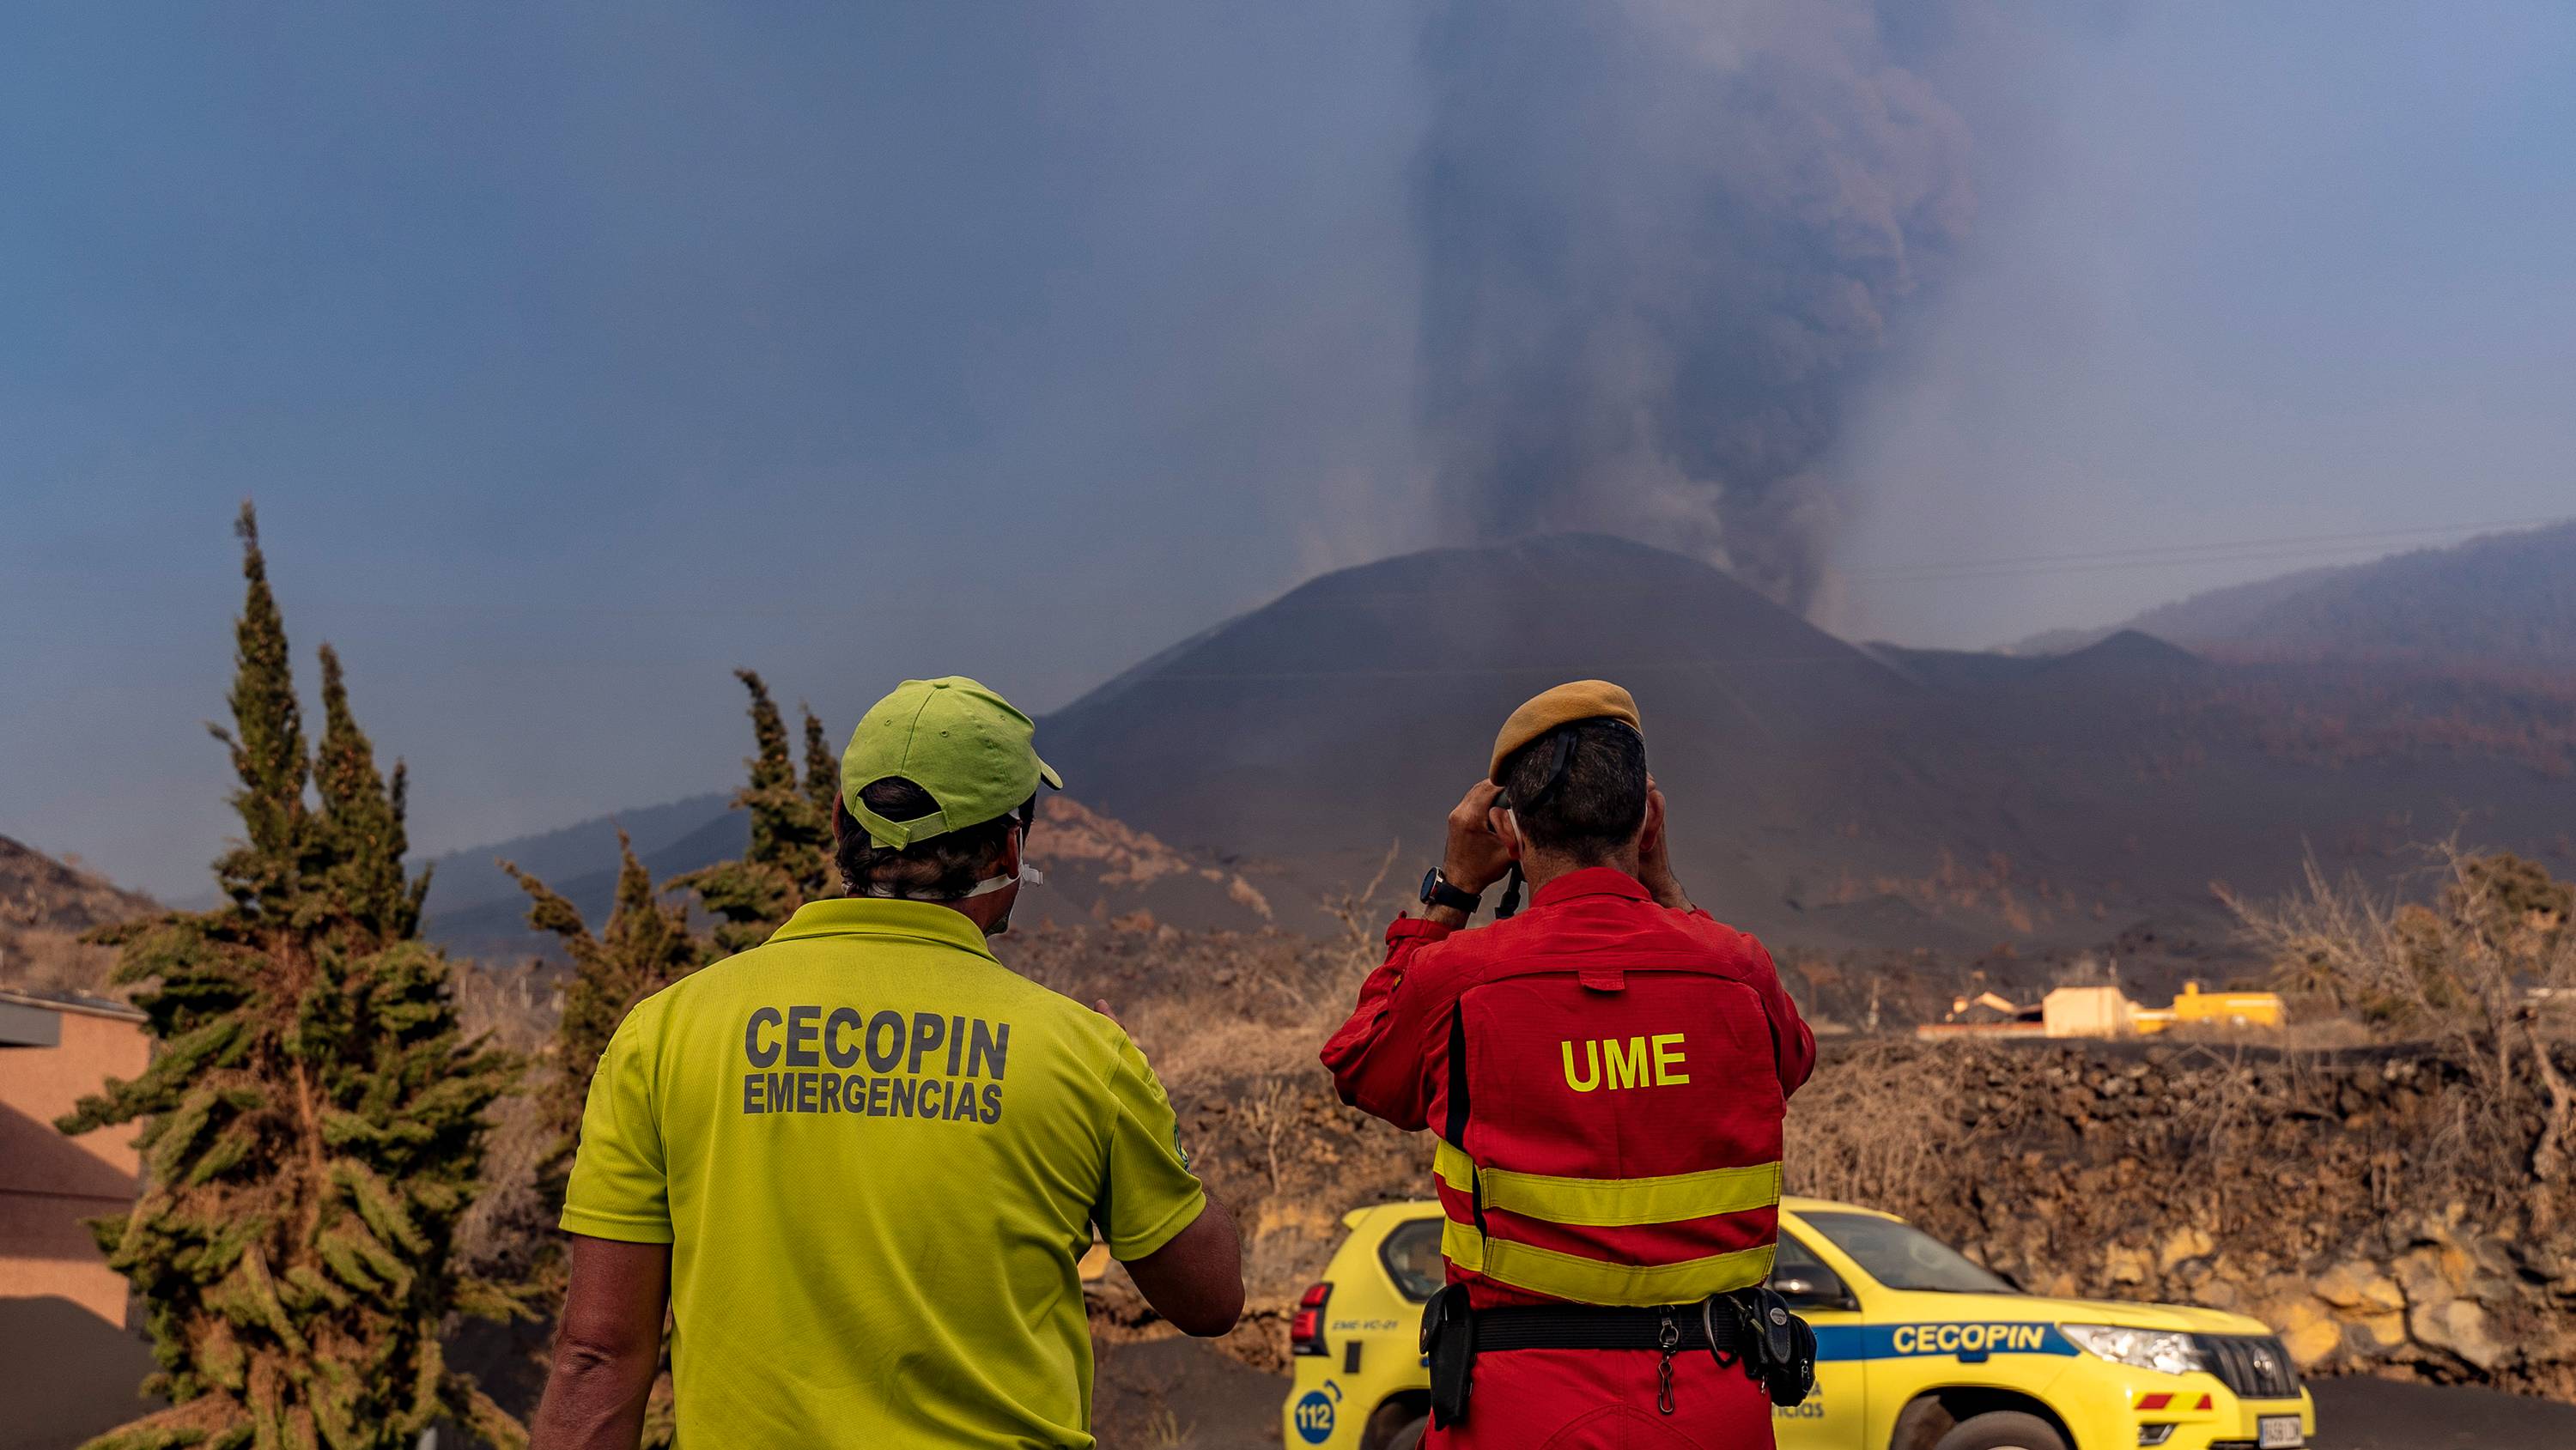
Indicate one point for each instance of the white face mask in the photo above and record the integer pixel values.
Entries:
(991, 884)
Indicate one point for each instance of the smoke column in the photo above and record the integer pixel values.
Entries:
(1659, 243)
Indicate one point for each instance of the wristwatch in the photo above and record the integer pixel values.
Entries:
(1436, 891)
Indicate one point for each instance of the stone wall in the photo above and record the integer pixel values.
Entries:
(2366, 1205)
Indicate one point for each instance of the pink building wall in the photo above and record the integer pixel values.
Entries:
(49, 1183)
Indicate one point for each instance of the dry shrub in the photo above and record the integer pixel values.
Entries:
(44, 959)
(1874, 1123)
(2461, 970)
(510, 1003)
(501, 1233)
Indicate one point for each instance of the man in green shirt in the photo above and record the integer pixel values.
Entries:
(859, 1162)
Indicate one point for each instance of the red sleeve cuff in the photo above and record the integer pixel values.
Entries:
(1414, 928)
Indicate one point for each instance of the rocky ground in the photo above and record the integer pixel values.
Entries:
(1178, 1394)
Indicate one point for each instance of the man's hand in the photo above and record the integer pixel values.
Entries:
(1654, 855)
(1477, 855)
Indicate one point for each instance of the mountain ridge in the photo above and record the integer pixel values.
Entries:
(1841, 796)
(2500, 601)
(46, 905)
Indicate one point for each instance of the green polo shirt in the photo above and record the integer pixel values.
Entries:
(877, 1154)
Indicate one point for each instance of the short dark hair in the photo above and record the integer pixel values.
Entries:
(1599, 803)
(942, 868)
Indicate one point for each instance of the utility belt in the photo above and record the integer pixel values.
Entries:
(1751, 1327)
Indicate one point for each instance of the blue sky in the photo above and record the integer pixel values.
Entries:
(575, 359)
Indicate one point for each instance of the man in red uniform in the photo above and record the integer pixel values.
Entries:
(1607, 1073)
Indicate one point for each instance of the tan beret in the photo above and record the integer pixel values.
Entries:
(1581, 700)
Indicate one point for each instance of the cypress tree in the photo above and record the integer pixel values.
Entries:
(810, 860)
(645, 947)
(315, 1114)
(789, 859)
(822, 773)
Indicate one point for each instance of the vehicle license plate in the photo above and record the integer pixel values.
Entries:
(2278, 1430)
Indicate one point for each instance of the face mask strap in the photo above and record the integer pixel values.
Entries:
(1024, 820)
(1027, 874)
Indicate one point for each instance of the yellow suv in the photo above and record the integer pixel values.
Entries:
(1917, 1349)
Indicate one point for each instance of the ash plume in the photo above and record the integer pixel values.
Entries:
(1659, 243)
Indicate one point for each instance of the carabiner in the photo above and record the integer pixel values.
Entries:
(1668, 1338)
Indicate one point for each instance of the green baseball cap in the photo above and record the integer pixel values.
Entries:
(955, 739)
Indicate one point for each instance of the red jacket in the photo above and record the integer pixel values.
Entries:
(1608, 1078)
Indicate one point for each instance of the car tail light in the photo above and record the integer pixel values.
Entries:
(1306, 1330)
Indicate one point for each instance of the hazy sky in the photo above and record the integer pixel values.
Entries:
(2241, 272)
(575, 359)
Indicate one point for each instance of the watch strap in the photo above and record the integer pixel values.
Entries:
(1437, 891)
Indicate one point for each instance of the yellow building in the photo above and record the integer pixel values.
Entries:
(2196, 1008)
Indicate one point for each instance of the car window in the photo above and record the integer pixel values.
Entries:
(1902, 1256)
(1412, 1258)
(1797, 1273)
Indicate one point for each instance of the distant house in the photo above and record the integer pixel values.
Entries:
(72, 1365)
(1984, 1015)
(2089, 1012)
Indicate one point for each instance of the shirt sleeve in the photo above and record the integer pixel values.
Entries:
(1381, 1058)
(618, 1188)
(1149, 1194)
(1793, 1043)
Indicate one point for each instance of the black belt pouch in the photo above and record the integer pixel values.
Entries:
(1449, 1343)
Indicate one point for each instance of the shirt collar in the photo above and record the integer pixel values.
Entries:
(1591, 881)
(878, 916)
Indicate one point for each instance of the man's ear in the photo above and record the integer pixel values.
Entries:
(1508, 826)
(1012, 842)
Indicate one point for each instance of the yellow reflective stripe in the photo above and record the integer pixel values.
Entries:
(1590, 1281)
(1461, 1245)
(1452, 1166)
(1612, 1202)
